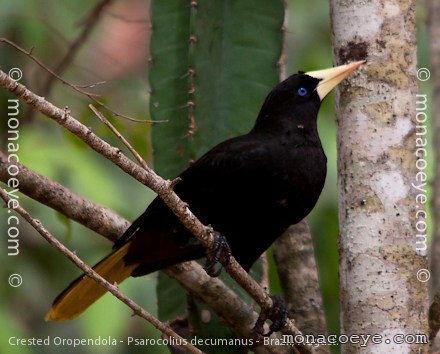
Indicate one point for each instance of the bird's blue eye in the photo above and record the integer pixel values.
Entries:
(302, 91)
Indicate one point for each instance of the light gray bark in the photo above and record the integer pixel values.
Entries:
(377, 164)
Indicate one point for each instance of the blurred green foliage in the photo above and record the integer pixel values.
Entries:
(49, 27)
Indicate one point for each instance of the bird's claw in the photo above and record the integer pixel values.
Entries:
(278, 314)
(220, 251)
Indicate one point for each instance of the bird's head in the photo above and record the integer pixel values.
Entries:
(300, 95)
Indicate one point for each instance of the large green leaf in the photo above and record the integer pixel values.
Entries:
(232, 47)
(213, 63)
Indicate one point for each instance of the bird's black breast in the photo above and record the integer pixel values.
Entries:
(251, 189)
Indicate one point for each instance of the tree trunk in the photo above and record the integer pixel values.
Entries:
(382, 218)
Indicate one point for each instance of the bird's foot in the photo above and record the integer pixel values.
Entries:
(278, 314)
(219, 252)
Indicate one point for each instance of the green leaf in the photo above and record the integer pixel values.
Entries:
(233, 54)
(235, 60)
(213, 63)
(169, 93)
(171, 298)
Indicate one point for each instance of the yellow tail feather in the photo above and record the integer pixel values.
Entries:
(84, 291)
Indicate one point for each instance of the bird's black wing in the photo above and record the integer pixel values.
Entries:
(222, 189)
(230, 162)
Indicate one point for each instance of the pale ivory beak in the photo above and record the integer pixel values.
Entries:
(333, 76)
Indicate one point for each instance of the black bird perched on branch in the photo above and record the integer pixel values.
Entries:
(249, 188)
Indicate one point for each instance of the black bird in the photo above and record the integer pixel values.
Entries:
(249, 188)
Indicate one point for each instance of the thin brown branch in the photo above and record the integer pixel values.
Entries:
(90, 23)
(128, 20)
(264, 280)
(283, 56)
(120, 137)
(113, 289)
(48, 192)
(77, 88)
(148, 177)
(92, 84)
(43, 66)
